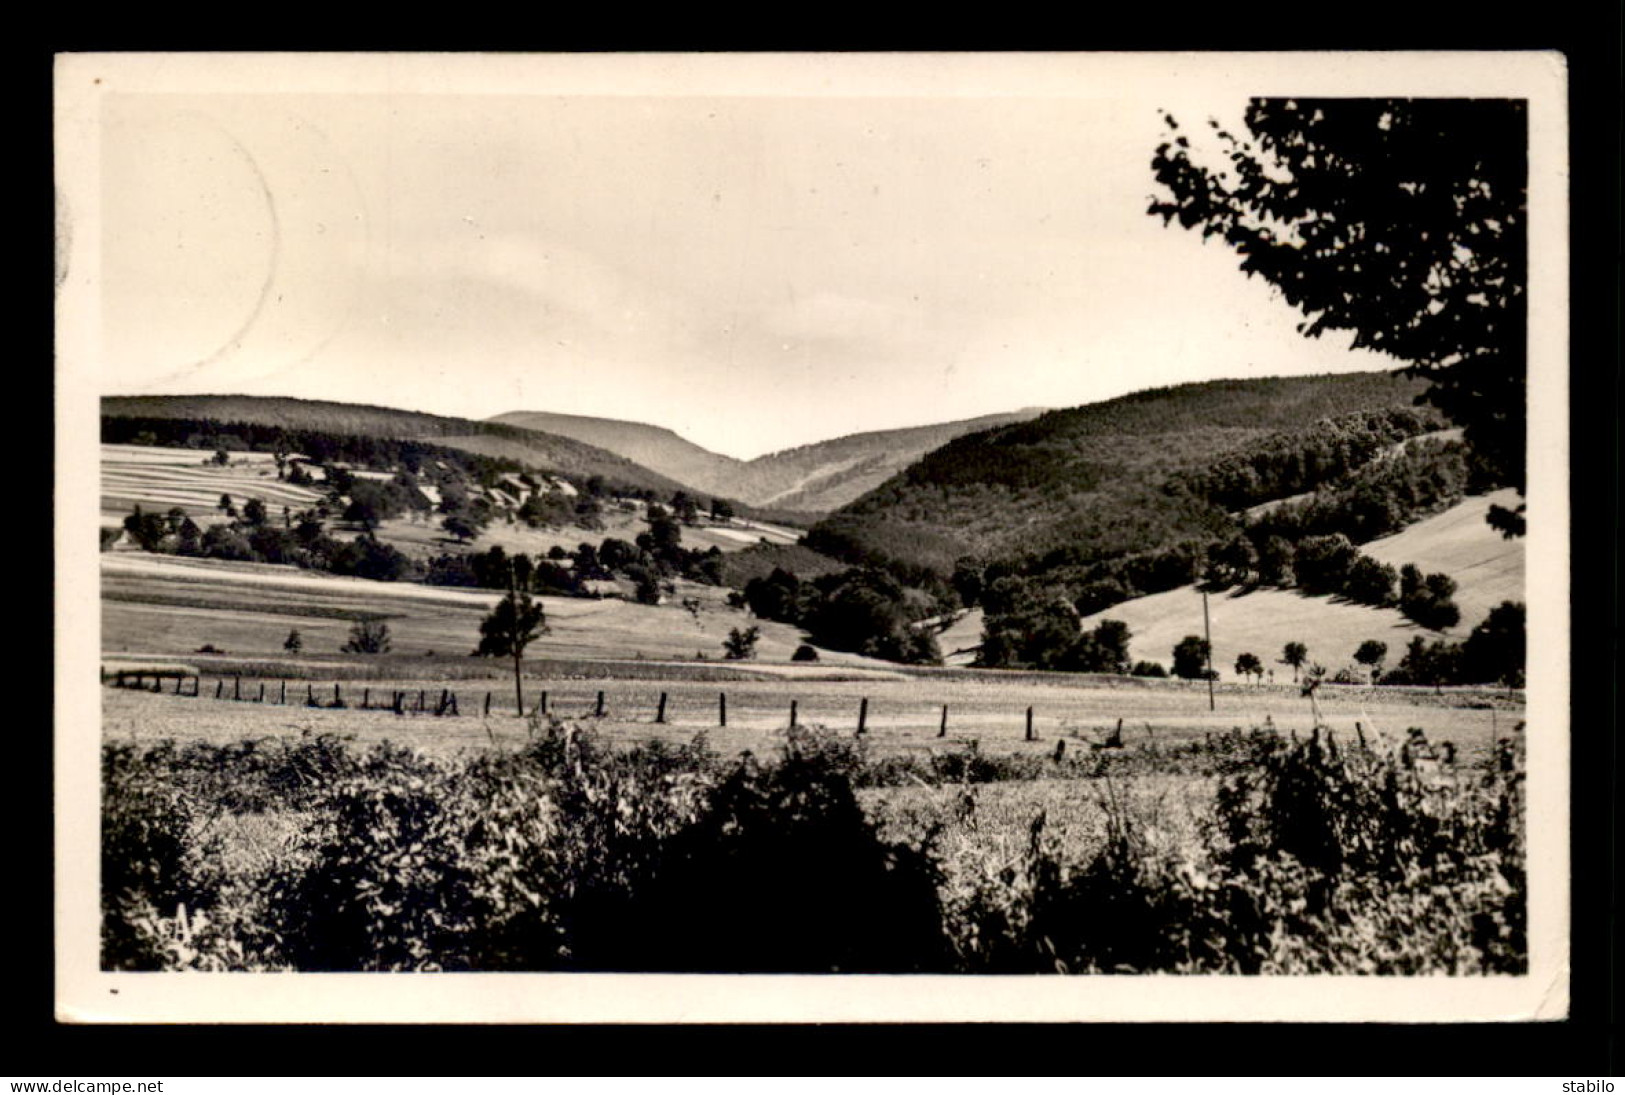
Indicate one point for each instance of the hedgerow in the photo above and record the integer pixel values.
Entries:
(571, 854)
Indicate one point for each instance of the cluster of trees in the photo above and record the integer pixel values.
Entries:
(1297, 461)
(1494, 652)
(865, 610)
(1382, 497)
(649, 563)
(1333, 566)
(1024, 627)
(373, 501)
(253, 536)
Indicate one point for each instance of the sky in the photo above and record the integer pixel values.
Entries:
(754, 270)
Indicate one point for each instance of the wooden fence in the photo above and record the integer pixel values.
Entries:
(447, 703)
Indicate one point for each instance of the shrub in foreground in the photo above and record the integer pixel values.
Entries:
(576, 855)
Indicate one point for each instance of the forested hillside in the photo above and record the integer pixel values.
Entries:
(1126, 475)
(192, 420)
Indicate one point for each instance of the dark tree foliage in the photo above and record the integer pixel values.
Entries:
(1294, 461)
(868, 611)
(1400, 220)
(148, 530)
(775, 597)
(1429, 600)
(1495, 650)
(368, 637)
(1376, 500)
(1322, 564)
(1371, 653)
(740, 645)
(512, 625)
(1190, 658)
(1295, 655)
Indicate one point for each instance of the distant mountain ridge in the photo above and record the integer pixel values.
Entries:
(819, 477)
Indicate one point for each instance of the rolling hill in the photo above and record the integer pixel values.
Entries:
(546, 452)
(814, 478)
(1458, 542)
(1092, 481)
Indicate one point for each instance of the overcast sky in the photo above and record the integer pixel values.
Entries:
(753, 271)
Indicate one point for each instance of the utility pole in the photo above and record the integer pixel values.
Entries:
(1207, 633)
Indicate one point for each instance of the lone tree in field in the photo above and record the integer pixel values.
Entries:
(1370, 654)
(1294, 654)
(1190, 658)
(511, 626)
(741, 645)
(368, 637)
(1248, 665)
(294, 643)
(1401, 220)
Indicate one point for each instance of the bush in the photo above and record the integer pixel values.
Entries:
(804, 653)
(1313, 857)
(741, 645)
(368, 637)
(1149, 669)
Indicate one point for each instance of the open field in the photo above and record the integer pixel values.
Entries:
(1487, 570)
(902, 715)
(159, 478)
(167, 605)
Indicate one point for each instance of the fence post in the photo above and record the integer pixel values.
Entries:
(542, 707)
(722, 709)
(1060, 749)
(488, 705)
(863, 714)
(598, 711)
(792, 714)
(660, 715)
(236, 688)
(262, 693)
(219, 688)
(179, 677)
(338, 700)
(942, 728)
(1030, 725)
(366, 699)
(420, 701)
(310, 694)
(284, 693)
(158, 686)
